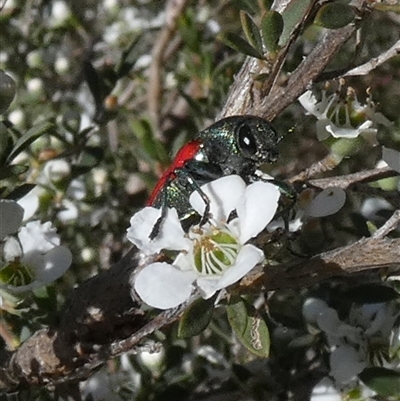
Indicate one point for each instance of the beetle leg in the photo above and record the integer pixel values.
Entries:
(157, 225)
(187, 177)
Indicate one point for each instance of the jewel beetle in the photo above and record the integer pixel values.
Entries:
(233, 145)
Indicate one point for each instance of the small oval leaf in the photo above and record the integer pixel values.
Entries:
(334, 16)
(293, 15)
(251, 31)
(12, 171)
(237, 43)
(265, 5)
(6, 143)
(196, 318)
(20, 192)
(7, 91)
(89, 158)
(385, 382)
(32, 134)
(272, 28)
(249, 327)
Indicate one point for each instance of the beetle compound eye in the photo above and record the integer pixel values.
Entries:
(246, 141)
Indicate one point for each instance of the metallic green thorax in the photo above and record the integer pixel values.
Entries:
(240, 144)
(234, 145)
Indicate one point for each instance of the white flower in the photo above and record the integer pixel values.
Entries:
(62, 65)
(30, 202)
(212, 256)
(35, 86)
(343, 118)
(10, 217)
(17, 117)
(68, 211)
(324, 390)
(35, 259)
(346, 363)
(153, 360)
(60, 13)
(54, 171)
(362, 340)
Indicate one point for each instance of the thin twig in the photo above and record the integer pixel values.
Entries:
(366, 68)
(174, 9)
(392, 224)
(328, 163)
(346, 181)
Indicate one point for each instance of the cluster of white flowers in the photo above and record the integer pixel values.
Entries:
(31, 255)
(343, 118)
(209, 257)
(364, 339)
(51, 175)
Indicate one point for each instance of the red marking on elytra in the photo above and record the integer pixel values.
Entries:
(187, 152)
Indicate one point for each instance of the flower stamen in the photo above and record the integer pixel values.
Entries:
(215, 253)
(17, 274)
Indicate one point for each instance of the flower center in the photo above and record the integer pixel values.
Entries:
(348, 112)
(215, 253)
(16, 274)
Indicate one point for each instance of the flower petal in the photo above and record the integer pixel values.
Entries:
(249, 256)
(11, 249)
(162, 286)
(184, 261)
(343, 132)
(171, 235)
(309, 102)
(325, 391)
(38, 237)
(321, 125)
(223, 194)
(346, 363)
(30, 202)
(10, 217)
(256, 209)
(55, 263)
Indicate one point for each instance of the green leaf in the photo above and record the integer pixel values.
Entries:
(6, 142)
(251, 31)
(152, 147)
(384, 381)
(21, 191)
(71, 121)
(272, 28)
(265, 5)
(90, 157)
(129, 57)
(334, 16)
(237, 43)
(248, 5)
(32, 134)
(13, 170)
(371, 294)
(196, 318)
(189, 32)
(292, 16)
(7, 91)
(249, 327)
